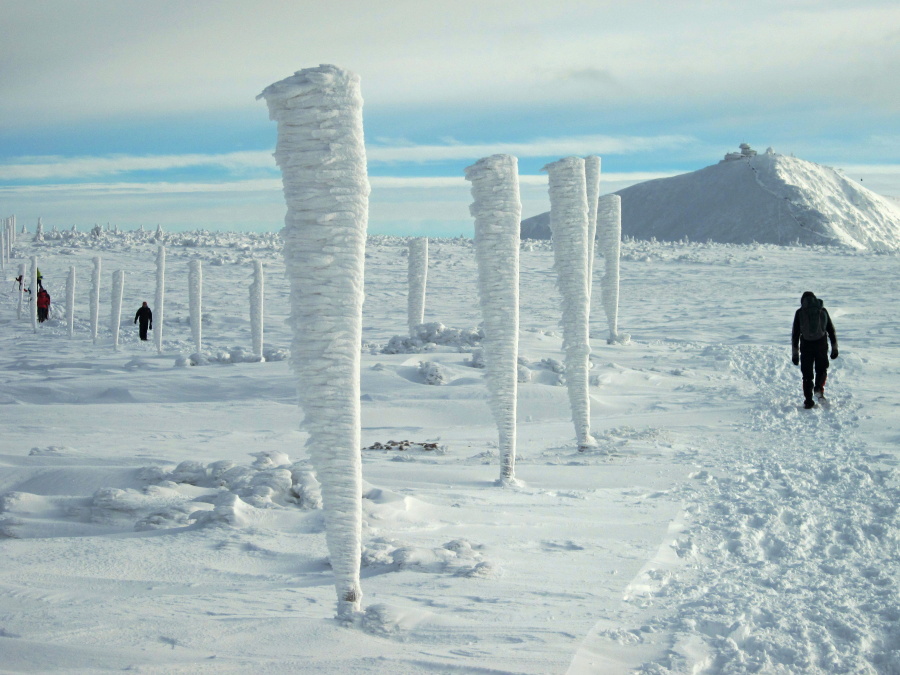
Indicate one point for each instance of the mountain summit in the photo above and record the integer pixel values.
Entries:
(749, 197)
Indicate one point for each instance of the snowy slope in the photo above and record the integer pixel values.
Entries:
(161, 519)
(767, 198)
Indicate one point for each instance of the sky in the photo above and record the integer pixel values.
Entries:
(145, 113)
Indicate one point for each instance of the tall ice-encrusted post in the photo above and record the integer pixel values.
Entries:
(257, 310)
(159, 309)
(569, 225)
(95, 298)
(498, 215)
(610, 229)
(416, 275)
(322, 157)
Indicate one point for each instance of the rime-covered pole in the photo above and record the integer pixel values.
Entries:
(569, 225)
(257, 307)
(160, 300)
(34, 291)
(323, 162)
(195, 302)
(4, 247)
(417, 275)
(610, 228)
(21, 290)
(70, 301)
(95, 298)
(115, 312)
(497, 210)
(592, 186)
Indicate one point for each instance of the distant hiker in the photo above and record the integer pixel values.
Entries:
(43, 305)
(40, 279)
(21, 283)
(809, 346)
(145, 316)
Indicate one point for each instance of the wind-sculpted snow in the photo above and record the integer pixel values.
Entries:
(569, 222)
(417, 275)
(321, 154)
(257, 309)
(610, 235)
(497, 209)
(431, 336)
(115, 305)
(159, 307)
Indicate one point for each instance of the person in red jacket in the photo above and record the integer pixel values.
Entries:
(43, 305)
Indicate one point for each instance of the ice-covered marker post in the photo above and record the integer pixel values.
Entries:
(115, 312)
(592, 188)
(95, 298)
(257, 307)
(70, 301)
(322, 157)
(21, 290)
(497, 209)
(159, 307)
(34, 291)
(569, 225)
(610, 228)
(195, 302)
(417, 275)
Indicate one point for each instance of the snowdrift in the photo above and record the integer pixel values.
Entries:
(770, 198)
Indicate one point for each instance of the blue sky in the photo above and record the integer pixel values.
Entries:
(144, 113)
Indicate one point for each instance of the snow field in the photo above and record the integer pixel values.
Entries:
(717, 527)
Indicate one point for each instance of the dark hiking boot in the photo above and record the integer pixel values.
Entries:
(809, 403)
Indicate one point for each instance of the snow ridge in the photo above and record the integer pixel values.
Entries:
(321, 153)
(497, 210)
(569, 223)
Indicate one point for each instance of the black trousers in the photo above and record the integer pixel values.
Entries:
(813, 364)
(142, 326)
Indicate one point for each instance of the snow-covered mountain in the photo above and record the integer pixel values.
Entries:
(745, 198)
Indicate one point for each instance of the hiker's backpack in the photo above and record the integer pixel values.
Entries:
(813, 320)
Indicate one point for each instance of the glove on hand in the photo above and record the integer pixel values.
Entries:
(834, 353)
(795, 358)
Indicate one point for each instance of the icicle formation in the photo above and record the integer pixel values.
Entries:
(569, 225)
(610, 228)
(21, 290)
(323, 162)
(497, 210)
(95, 299)
(417, 275)
(195, 302)
(592, 183)
(159, 305)
(115, 312)
(70, 301)
(257, 306)
(34, 291)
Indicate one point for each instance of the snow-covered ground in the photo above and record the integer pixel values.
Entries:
(157, 517)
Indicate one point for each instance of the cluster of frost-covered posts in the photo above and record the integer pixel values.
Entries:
(321, 154)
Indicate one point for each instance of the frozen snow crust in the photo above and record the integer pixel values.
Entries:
(164, 519)
(767, 198)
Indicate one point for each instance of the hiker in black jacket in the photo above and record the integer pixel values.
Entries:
(809, 346)
(145, 316)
